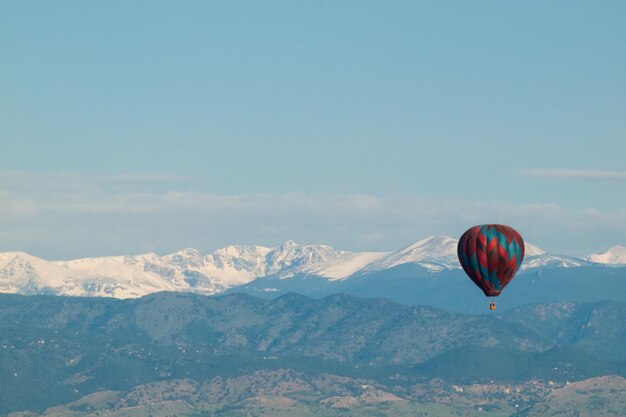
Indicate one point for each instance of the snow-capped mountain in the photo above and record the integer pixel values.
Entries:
(437, 253)
(322, 260)
(433, 252)
(236, 264)
(232, 266)
(185, 270)
(614, 256)
(538, 258)
(551, 260)
(117, 276)
(532, 250)
(132, 276)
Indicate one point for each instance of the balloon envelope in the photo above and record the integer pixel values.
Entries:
(491, 254)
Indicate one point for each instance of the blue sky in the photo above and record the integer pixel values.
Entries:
(135, 126)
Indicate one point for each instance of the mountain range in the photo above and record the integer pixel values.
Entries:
(235, 355)
(428, 265)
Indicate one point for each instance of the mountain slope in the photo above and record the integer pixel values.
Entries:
(452, 289)
(597, 328)
(56, 350)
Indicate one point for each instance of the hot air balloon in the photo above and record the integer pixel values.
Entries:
(490, 255)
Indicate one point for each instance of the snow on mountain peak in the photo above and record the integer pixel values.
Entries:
(188, 270)
(187, 253)
(238, 263)
(18, 265)
(186, 258)
(616, 255)
(433, 252)
(432, 247)
(290, 255)
(440, 252)
(550, 260)
(532, 250)
(536, 257)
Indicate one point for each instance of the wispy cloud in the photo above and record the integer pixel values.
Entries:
(575, 173)
(69, 215)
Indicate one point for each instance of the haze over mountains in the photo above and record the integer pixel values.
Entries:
(261, 270)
